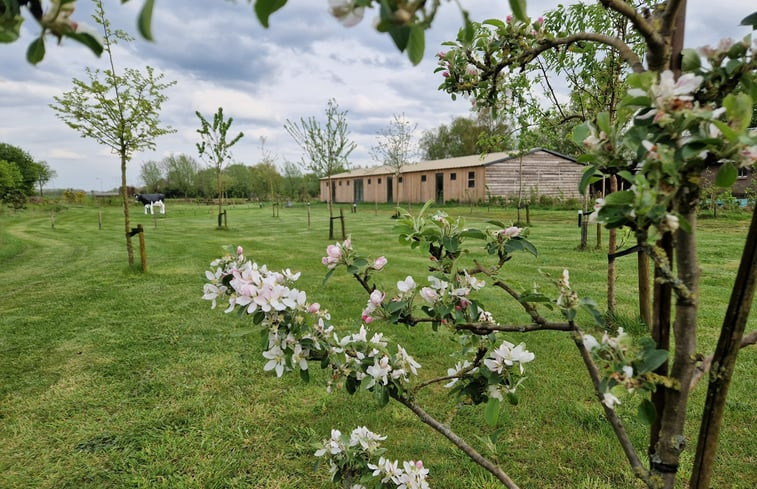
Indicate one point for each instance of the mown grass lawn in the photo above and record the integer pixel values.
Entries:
(114, 378)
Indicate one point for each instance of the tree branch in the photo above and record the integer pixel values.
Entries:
(706, 365)
(617, 425)
(643, 26)
(444, 430)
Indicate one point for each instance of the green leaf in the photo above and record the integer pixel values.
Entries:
(305, 375)
(620, 198)
(244, 332)
(690, 60)
(381, 395)
(652, 360)
(36, 51)
(512, 398)
(495, 23)
(738, 108)
(88, 40)
(750, 19)
(400, 36)
(144, 21)
(647, 412)
(473, 233)
(264, 9)
(519, 9)
(491, 412)
(416, 44)
(586, 179)
(727, 175)
(603, 122)
(328, 276)
(580, 133)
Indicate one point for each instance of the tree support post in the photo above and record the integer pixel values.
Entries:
(142, 253)
(341, 219)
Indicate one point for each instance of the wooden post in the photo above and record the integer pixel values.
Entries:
(142, 252)
(100, 220)
(308, 206)
(341, 218)
(528, 214)
(155, 221)
(52, 218)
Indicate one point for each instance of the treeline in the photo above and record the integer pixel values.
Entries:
(181, 176)
(20, 175)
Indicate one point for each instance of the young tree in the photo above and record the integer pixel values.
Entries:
(326, 147)
(395, 148)
(25, 164)
(215, 147)
(152, 175)
(118, 110)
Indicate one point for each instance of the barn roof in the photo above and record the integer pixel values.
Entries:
(445, 164)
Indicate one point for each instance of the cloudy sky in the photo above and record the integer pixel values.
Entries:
(220, 56)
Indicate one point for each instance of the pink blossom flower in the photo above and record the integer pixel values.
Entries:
(379, 263)
(509, 19)
(314, 307)
(445, 74)
(540, 20)
(511, 232)
(377, 298)
(240, 251)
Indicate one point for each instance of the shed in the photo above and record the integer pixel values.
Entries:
(463, 179)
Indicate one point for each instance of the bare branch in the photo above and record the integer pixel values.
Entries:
(444, 430)
(706, 365)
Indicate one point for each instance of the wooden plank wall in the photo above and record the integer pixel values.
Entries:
(542, 173)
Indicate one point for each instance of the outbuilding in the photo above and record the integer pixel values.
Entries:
(464, 179)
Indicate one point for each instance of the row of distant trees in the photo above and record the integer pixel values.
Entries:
(20, 175)
(182, 176)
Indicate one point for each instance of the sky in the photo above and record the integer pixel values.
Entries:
(220, 55)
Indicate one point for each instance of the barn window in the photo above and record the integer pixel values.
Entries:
(340, 184)
(379, 181)
(399, 180)
(423, 178)
(743, 172)
(453, 176)
(348, 183)
(471, 179)
(369, 181)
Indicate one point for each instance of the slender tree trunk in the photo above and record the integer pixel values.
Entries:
(672, 441)
(661, 335)
(612, 247)
(220, 191)
(125, 201)
(724, 361)
(645, 307)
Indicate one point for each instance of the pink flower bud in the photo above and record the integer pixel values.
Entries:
(367, 319)
(379, 263)
(509, 19)
(240, 251)
(314, 307)
(540, 20)
(445, 74)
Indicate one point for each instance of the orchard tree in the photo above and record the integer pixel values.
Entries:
(43, 174)
(326, 147)
(118, 110)
(395, 147)
(25, 164)
(215, 146)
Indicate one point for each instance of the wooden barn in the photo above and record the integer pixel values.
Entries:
(463, 179)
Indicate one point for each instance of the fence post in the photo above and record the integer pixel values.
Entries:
(52, 218)
(100, 220)
(308, 206)
(341, 218)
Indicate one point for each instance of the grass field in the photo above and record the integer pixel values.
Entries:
(114, 378)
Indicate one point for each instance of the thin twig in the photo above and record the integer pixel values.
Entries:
(704, 367)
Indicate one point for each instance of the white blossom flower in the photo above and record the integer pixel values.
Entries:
(669, 89)
(511, 232)
(627, 371)
(406, 362)
(610, 400)
(438, 284)
(590, 342)
(365, 438)
(388, 470)
(276, 360)
(456, 371)
(346, 12)
(299, 357)
(429, 295)
(507, 355)
(333, 445)
(379, 371)
(407, 286)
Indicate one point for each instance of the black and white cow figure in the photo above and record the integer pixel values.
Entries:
(152, 200)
